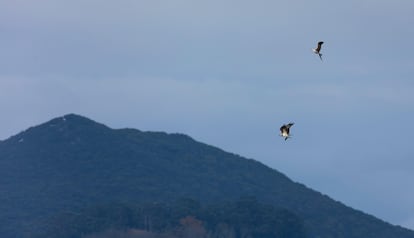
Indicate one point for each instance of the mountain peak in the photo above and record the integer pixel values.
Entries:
(72, 118)
(59, 128)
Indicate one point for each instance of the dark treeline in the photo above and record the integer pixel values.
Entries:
(244, 218)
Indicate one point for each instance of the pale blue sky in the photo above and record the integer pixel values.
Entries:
(229, 73)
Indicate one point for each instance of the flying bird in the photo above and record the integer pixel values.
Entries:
(284, 130)
(317, 50)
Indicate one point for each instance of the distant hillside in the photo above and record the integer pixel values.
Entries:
(71, 163)
(184, 218)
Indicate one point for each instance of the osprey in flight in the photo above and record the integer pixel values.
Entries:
(317, 50)
(284, 130)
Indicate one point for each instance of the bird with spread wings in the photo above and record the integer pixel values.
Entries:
(285, 129)
(317, 50)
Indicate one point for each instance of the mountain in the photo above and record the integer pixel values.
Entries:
(71, 163)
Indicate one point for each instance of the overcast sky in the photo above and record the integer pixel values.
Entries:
(230, 73)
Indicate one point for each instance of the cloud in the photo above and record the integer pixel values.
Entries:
(355, 94)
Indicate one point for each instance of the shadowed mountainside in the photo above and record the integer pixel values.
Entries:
(72, 162)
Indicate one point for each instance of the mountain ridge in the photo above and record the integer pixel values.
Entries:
(78, 162)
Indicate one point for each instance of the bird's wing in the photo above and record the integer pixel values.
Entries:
(319, 46)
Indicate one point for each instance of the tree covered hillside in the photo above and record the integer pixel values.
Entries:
(72, 163)
(185, 218)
